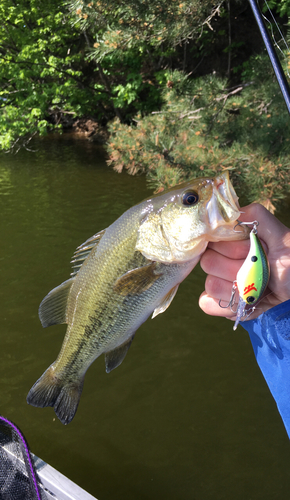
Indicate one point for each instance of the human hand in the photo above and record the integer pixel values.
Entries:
(222, 260)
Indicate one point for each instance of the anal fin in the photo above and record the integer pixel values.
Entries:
(115, 357)
(166, 301)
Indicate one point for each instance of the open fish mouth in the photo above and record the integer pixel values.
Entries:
(223, 211)
(223, 207)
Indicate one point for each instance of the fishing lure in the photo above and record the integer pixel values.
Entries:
(252, 278)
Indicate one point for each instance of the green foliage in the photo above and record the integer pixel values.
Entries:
(60, 60)
(123, 25)
(129, 41)
(282, 7)
(205, 128)
(130, 87)
(41, 70)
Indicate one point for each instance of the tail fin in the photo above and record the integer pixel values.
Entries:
(51, 390)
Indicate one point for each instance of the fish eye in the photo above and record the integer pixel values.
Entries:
(250, 299)
(190, 198)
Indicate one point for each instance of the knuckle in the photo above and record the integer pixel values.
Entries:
(207, 261)
(213, 286)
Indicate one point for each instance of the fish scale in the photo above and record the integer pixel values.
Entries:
(126, 273)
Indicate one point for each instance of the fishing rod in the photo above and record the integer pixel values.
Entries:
(280, 75)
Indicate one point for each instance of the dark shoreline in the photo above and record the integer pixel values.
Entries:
(87, 128)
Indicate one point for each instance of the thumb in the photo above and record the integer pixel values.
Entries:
(270, 229)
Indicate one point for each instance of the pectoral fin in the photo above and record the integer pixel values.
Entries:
(137, 281)
(166, 301)
(114, 358)
(52, 310)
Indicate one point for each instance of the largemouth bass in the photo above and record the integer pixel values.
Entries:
(126, 273)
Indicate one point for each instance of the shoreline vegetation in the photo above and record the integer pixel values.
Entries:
(171, 89)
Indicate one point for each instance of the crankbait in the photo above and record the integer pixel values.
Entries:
(252, 278)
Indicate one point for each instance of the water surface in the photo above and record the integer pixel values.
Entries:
(187, 415)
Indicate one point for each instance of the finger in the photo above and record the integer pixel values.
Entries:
(220, 266)
(219, 289)
(210, 306)
(270, 229)
(232, 249)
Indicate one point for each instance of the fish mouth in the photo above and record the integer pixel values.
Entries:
(223, 210)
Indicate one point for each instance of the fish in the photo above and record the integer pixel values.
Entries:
(252, 278)
(126, 273)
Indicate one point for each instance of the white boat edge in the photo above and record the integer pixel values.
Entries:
(55, 484)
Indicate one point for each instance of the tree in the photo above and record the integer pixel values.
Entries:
(58, 63)
(42, 70)
(178, 76)
(133, 42)
(205, 127)
(124, 24)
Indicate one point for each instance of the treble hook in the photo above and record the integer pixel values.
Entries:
(255, 224)
(232, 299)
(250, 311)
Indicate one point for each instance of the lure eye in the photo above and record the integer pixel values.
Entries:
(190, 198)
(250, 299)
(254, 258)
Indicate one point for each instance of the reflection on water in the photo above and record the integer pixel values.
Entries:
(187, 415)
(5, 182)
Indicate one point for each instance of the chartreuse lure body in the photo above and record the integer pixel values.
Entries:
(253, 276)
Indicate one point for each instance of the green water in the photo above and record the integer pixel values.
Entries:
(187, 415)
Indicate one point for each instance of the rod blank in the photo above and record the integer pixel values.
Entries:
(272, 54)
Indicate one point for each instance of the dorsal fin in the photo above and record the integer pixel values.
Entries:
(52, 310)
(84, 250)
